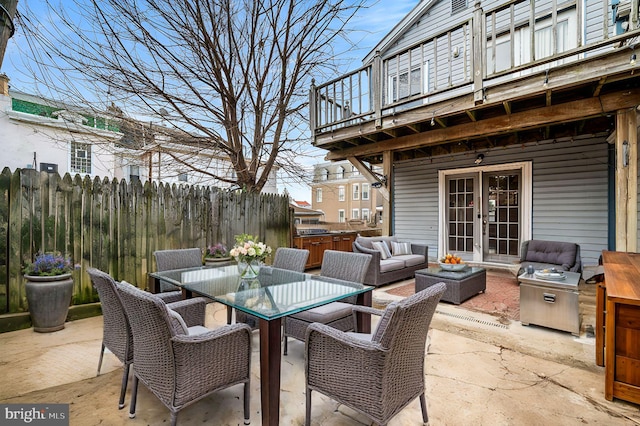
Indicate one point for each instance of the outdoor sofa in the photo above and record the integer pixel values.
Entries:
(392, 260)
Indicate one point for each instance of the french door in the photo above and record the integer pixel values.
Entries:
(485, 212)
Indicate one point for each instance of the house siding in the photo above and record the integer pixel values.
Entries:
(570, 198)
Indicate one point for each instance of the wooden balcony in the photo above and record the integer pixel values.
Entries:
(466, 91)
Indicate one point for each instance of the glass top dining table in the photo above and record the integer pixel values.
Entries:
(275, 293)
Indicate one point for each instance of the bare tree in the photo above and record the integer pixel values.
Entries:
(224, 75)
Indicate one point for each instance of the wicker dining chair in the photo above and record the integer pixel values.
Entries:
(339, 265)
(291, 259)
(375, 374)
(116, 332)
(176, 259)
(178, 367)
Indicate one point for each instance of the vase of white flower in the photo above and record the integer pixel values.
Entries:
(249, 269)
(250, 255)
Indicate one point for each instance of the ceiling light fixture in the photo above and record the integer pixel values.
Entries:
(546, 80)
(479, 158)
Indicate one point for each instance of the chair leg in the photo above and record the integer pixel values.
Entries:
(423, 405)
(247, 407)
(134, 397)
(123, 388)
(174, 418)
(285, 344)
(100, 360)
(307, 416)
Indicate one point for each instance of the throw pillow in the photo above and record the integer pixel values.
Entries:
(400, 248)
(382, 248)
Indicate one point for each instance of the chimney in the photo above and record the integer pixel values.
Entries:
(4, 85)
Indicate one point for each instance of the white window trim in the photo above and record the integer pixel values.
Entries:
(355, 191)
(341, 216)
(318, 195)
(341, 194)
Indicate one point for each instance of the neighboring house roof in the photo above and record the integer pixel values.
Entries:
(400, 28)
(302, 203)
(305, 211)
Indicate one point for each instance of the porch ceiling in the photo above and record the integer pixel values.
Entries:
(578, 99)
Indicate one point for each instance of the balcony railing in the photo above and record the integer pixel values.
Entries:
(518, 38)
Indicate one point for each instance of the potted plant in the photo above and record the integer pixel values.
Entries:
(216, 253)
(250, 254)
(49, 288)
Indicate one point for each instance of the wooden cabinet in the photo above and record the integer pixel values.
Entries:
(619, 305)
(317, 244)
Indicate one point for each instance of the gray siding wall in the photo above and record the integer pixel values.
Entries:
(569, 192)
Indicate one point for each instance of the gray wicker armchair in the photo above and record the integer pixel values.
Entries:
(291, 259)
(375, 374)
(335, 265)
(116, 332)
(176, 259)
(177, 366)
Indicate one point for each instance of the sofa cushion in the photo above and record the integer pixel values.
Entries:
(367, 242)
(399, 249)
(326, 313)
(382, 248)
(553, 252)
(391, 264)
(410, 259)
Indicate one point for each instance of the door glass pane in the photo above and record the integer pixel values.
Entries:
(461, 214)
(503, 213)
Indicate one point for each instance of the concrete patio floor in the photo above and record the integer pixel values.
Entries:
(479, 371)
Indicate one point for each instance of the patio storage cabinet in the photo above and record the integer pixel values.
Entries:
(552, 304)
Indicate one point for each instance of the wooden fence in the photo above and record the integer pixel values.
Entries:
(116, 226)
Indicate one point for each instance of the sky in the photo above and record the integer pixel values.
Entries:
(368, 27)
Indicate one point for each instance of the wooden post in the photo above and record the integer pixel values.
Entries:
(377, 88)
(387, 171)
(478, 42)
(626, 180)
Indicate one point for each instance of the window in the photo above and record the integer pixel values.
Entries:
(355, 214)
(365, 191)
(318, 195)
(356, 191)
(365, 215)
(80, 158)
(340, 172)
(324, 174)
(341, 218)
(409, 84)
(341, 193)
(544, 46)
(183, 177)
(134, 173)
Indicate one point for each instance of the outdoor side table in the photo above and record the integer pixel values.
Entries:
(550, 303)
(461, 285)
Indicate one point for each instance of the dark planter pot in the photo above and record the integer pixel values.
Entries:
(49, 299)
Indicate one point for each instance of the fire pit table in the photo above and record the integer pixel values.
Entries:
(461, 285)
